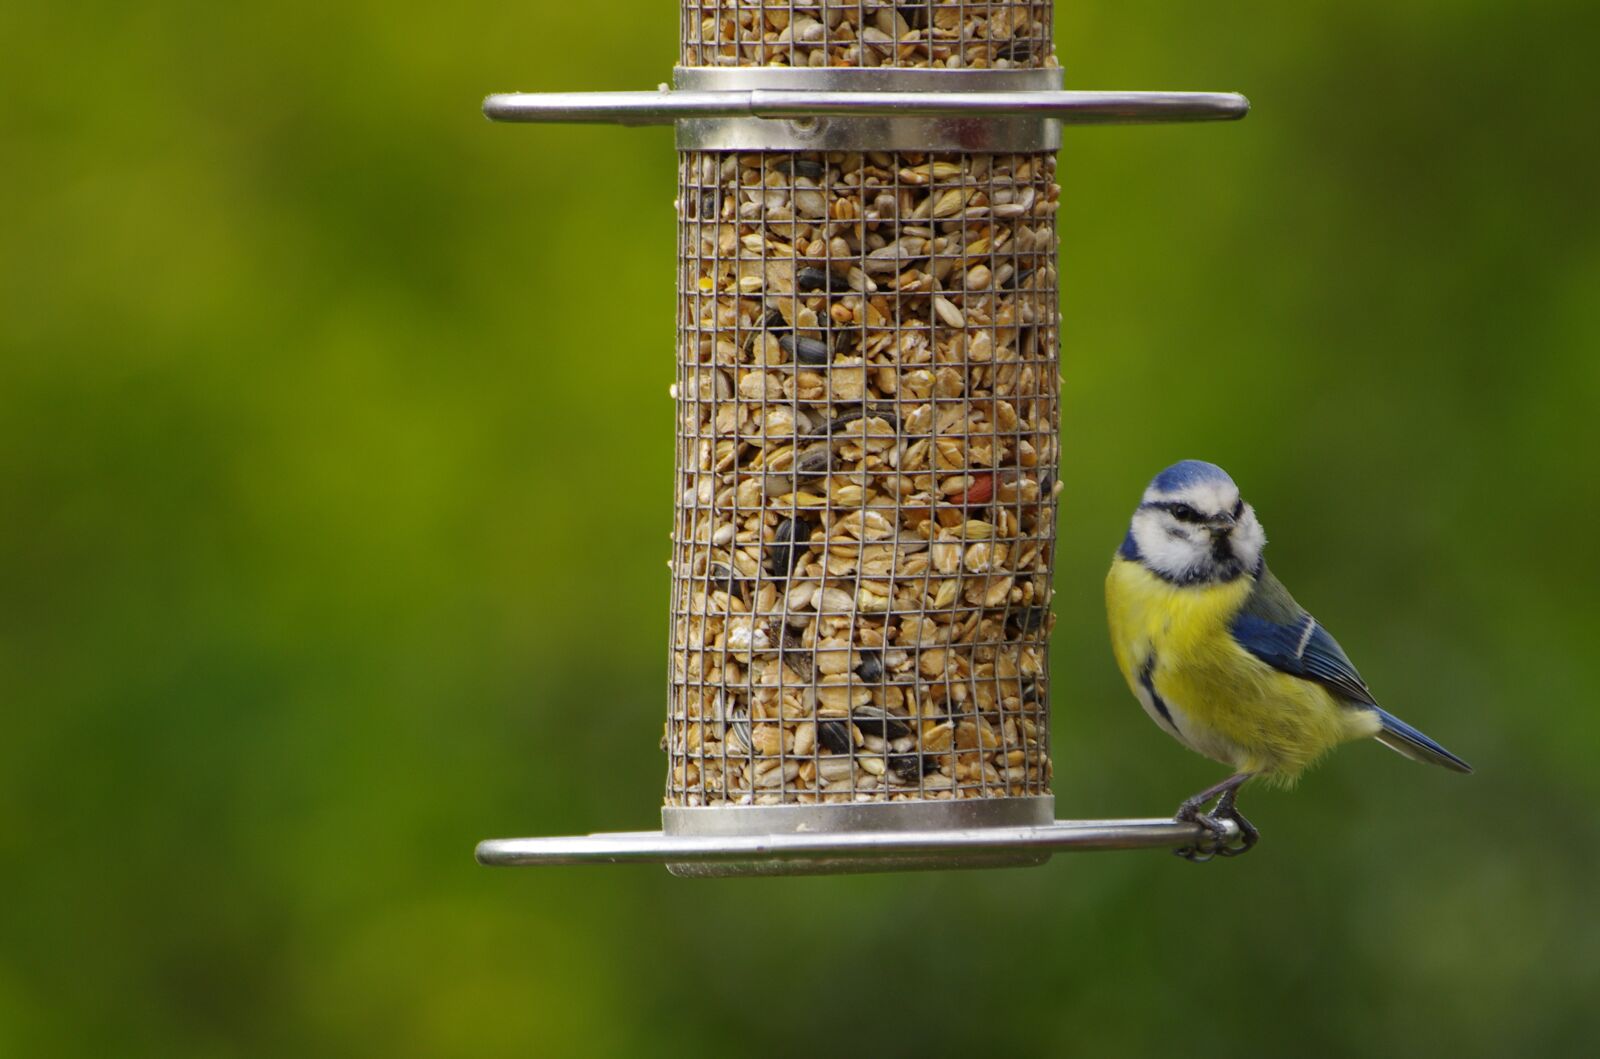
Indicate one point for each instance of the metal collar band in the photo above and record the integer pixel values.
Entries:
(830, 80)
(871, 110)
(879, 818)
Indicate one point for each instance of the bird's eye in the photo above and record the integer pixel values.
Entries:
(1184, 513)
(1238, 507)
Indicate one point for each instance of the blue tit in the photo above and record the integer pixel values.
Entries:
(1223, 658)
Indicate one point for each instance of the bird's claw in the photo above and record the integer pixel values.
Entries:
(1222, 840)
(1208, 846)
(1247, 838)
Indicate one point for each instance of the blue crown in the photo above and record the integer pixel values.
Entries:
(1181, 476)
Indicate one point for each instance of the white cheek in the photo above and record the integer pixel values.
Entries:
(1164, 553)
(1249, 540)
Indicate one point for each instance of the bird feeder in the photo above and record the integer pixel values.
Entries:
(867, 437)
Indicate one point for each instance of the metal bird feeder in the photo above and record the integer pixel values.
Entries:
(867, 436)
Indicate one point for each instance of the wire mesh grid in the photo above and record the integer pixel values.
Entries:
(866, 455)
(947, 34)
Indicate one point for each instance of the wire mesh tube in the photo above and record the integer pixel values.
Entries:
(944, 34)
(866, 456)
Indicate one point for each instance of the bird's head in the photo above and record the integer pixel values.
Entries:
(1193, 527)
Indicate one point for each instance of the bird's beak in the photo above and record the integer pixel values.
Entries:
(1223, 523)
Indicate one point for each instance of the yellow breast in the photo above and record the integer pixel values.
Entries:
(1173, 643)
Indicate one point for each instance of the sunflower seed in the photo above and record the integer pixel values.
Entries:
(916, 15)
(1027, 619)
(1018, 51)
(807, 280)
(722, 577)
(789, 543)
(1030, 690)
(792, 648)
(912, 767)
(738, 729)
(809, 351)
(873, 720)
(805, 167)
(835, 735)
(816, 461)
(1016, 281)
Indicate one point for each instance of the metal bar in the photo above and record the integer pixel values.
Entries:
(661, 107)
(1075, 108)
(666, 106)
(654, 847)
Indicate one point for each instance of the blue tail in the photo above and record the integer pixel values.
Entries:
(1400, 737)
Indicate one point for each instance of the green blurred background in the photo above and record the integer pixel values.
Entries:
(334, 494)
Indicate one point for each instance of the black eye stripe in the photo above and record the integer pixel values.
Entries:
(1180, 511)
(1238, 507)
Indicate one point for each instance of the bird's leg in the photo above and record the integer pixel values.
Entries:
(1190, 812)
(1248, 835)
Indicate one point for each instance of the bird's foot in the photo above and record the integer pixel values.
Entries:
(1221, 840)
(1247, 837)
(1212, 843)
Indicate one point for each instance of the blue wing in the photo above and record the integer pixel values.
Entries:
(1277, 630)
